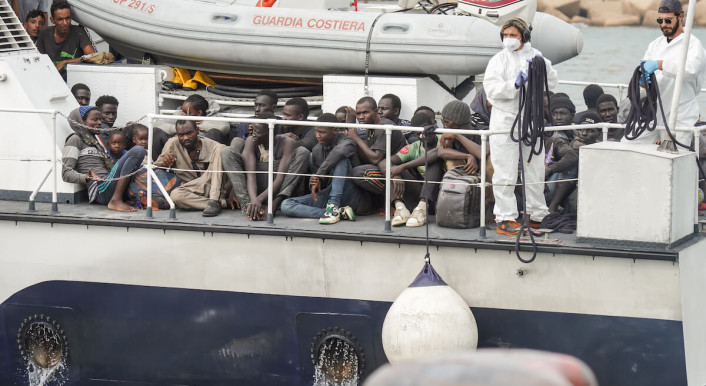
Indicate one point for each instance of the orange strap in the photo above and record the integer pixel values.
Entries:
(265, 3)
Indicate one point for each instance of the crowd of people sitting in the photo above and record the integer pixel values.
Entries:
(321, 172)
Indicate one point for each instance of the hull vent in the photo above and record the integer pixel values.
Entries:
(13, 37)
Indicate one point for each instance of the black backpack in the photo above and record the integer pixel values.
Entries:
(458, 204)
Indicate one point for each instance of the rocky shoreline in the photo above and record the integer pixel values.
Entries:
(613, 12)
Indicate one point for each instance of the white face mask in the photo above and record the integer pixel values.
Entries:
(511, 44)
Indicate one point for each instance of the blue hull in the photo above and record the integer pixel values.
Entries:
(166, 336)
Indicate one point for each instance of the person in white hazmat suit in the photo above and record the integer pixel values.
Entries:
(662, 61)
(505, 74)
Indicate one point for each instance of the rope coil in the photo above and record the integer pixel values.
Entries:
(528, 130)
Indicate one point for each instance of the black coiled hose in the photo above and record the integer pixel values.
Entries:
(643, 112)
(528, 130)
(528, 127)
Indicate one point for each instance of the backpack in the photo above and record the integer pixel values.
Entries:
(458, 203)
(137, 190)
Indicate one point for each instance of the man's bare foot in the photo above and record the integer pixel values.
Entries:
(120, 206)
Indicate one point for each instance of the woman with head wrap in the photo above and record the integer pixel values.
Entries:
(85, 161)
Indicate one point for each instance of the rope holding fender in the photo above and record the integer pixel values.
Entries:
(428, 131)
(528, 130)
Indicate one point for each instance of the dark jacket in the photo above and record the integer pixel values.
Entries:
(325, 158)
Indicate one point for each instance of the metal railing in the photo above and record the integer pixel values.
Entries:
(484, 135)
(271, 123)
(621, 87)
(54, 161)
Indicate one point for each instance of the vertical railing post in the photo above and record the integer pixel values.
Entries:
(55, 189)
(388, 149)
(697, 134)
(270, 172)
(483, 161)
(150, 136)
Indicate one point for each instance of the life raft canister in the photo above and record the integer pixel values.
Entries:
(265, 3)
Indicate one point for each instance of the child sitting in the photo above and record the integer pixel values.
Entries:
(116, 145)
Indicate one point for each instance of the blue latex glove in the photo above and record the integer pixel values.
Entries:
(521, 79)
(642, 81)
(650, 66)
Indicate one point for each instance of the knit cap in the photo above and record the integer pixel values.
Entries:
(559, 101)
(84, 109)
(457, 112)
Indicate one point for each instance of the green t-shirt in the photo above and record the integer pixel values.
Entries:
(414, 151)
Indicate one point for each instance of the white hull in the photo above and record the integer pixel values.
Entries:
(309, 43)
(312, 267)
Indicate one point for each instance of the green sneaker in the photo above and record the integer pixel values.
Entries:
(347, 213)
(331, 215)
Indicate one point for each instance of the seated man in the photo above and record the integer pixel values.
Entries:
(296, 109)
(265, 102)
(192, 154)
(607, 107)
(108, 106)
(426, 110)
(480, 108)
(408, 164)
(196, 105)
(23, 8)
(34, 24)
(389, 107)
(459, 149)
(371, 150)
(250, 190)
(562, 160)
(562, 112)
(590, 96)
(463, 150)
(340, 198)
(64, 43)
(345, 114)
(82, 94)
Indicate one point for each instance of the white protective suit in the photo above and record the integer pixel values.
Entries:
(499, 85)
(694, 72)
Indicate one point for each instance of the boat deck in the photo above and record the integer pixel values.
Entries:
(365, 229)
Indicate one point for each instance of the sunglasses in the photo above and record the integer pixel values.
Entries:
(667, 20)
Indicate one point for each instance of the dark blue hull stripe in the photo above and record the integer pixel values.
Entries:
(168, 336)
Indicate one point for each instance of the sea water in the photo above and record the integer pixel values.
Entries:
(610, 55)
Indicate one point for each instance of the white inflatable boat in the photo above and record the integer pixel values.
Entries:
(230, 37)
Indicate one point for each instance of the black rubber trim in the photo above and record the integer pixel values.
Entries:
(390, 239)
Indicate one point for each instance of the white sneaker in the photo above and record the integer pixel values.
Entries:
(418, 217)
(401, 215)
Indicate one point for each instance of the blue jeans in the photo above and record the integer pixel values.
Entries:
(127, 164)
(565, 175)
(341, 192)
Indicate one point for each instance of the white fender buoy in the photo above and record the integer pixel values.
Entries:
(428, 318)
